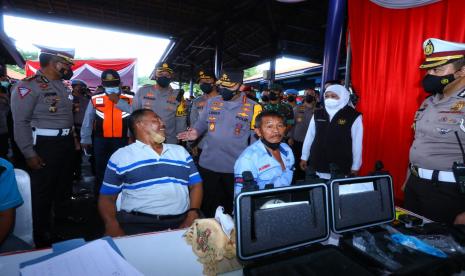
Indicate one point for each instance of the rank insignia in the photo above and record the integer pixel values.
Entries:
(237, 129)
(243, 114)
(429, 48)
(458, 106)
(211, 126)
(23, 91)
(52, 109)
(443, 131)
(216, 108)
(341, 122)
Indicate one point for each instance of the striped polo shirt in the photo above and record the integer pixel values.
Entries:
(151, 183)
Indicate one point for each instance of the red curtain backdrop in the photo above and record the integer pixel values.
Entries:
(386, 52)
(100, 64)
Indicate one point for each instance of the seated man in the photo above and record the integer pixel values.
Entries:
(269, 160)
(161, 188)
(10, 199)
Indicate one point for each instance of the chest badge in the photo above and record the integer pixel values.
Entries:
(341, 122)
(443, 131)
(211, 126)
(458, 106)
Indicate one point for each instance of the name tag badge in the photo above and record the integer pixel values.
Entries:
(99, 101)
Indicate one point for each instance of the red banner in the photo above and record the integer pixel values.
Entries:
(386, 52)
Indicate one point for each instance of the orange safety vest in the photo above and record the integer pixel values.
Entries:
(110, 121)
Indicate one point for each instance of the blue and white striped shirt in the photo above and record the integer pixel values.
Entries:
(151, 183)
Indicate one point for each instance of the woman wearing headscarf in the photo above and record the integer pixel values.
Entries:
(335, 135)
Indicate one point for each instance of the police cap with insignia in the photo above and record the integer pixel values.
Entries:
(163, 67)
(110, 78)
(65, 53)
(229, 78)
(440, 52)
(205, 74)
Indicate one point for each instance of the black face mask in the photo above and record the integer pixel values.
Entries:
(226, 94)
(273, 146)
(163, 81)
(435, 84)
(291, 99)
(66, 74)
(309, 99)
(273, 96)
(265, 98)
(206, 88)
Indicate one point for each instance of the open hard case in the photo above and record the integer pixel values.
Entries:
(279, 230)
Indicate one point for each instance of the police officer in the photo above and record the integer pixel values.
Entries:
(43, 119)
(303, 114)
(207, 85)
(163, 100)
(80, 103)
(275, 104)
(227, 123)
(105, 119)
(431, 189)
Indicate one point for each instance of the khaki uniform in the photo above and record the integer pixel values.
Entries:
(39, 103)
(47, 107)
(435, 146)
(164, 103)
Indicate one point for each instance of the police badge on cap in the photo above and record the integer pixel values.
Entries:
(229, 78)
(440, 52)
(110, 78)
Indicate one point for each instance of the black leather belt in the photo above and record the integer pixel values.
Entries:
(158, 217)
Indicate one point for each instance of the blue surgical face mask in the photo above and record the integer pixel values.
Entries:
(112, 90)
(5, 83)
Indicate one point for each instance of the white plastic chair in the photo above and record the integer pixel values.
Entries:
(23, 223)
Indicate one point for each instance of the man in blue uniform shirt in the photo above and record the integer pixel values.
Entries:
(269, 160)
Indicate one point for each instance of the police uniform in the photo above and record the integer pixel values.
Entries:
(43, 120)
(431, 189)
(107, 123)
(228, 128)
(264, 167)
(165, 103)
(197, 107)
(80, 103)
(302, 114)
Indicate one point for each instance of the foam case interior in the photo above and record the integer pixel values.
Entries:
(361, 208)
(302, 220)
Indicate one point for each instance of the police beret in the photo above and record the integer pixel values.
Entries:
(110, 78)
(440, 52)
(65, 53)
(230, 78)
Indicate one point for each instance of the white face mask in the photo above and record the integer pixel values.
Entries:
(331, 103)
(156, 137)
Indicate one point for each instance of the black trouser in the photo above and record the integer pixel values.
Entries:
(51, 186)
(142, 223)
(218, 189)
(77, 162)
(103, 149)
(4, 145)
(299, 174)
(436, 200)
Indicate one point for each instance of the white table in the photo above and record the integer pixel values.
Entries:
(160, 253)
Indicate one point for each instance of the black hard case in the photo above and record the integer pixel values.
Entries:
(368, 210)
(284, 240)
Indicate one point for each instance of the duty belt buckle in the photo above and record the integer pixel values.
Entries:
(414, 170)
(65, 132)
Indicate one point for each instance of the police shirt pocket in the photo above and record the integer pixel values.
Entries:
(445, 126)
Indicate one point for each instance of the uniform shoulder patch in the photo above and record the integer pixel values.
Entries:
(23, 91)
